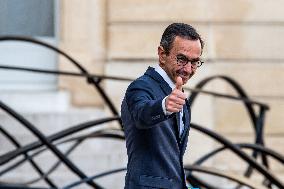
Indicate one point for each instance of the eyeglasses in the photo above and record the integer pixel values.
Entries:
(183, 61)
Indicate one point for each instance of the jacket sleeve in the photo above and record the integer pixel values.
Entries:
(144, 107)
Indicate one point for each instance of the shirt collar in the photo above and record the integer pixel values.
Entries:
(165, 76)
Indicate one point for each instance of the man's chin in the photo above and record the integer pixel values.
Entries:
(185, 80)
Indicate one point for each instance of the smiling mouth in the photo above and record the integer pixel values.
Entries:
(183, 75)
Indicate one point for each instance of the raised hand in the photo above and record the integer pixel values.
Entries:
(176, 100)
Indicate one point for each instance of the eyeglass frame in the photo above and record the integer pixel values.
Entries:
(194, 63)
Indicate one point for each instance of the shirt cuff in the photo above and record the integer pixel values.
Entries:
(164, 107)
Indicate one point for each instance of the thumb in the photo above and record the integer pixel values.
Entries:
(179, 83)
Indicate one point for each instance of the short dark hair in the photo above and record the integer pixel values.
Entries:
(178, 29)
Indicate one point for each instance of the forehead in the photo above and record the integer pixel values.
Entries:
(188, 47)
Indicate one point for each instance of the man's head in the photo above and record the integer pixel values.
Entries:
(180, 49)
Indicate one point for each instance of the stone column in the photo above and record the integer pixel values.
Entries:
(83, 35)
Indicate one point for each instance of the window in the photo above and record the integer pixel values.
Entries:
(31, 18)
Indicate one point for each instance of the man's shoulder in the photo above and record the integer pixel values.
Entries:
(143, 81)
(144, 78)
(150, 75)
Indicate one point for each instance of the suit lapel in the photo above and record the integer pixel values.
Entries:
(186, 109)
(167, 90)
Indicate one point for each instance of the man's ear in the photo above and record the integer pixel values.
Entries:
(162, 55)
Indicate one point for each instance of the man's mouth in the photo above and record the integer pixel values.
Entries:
(183, 74)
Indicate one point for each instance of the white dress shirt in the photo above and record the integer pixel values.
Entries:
(172, 85)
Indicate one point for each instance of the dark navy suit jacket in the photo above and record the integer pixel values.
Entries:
(154, 148)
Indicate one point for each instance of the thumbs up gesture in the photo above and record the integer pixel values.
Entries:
(175, 101)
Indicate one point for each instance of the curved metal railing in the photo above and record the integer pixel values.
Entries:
(256, 119)
(53, 141)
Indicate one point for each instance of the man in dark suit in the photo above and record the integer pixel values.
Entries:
(156, 115)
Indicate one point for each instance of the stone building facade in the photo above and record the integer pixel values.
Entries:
(243, 40)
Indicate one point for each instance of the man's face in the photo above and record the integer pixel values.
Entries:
(184, 48)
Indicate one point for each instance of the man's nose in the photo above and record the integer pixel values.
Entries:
(188, 68)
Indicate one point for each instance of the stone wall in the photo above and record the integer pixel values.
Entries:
(83, 35)
(120, 38)
(243, 41)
